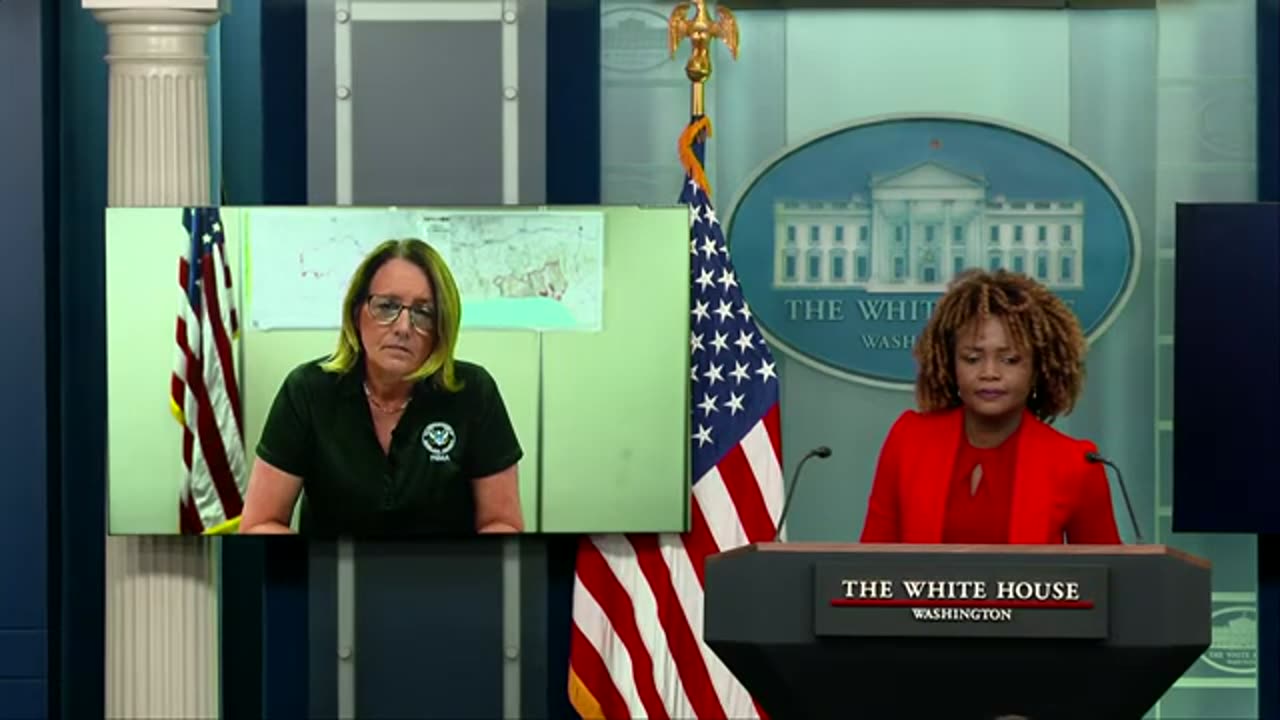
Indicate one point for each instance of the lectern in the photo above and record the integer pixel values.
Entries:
(962, 632)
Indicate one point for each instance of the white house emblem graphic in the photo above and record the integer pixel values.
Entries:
(439, 438)
(844, 243)
(1235, 641)
(921, 226)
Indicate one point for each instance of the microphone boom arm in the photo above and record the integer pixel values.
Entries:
(1094, 457)
(821, 451)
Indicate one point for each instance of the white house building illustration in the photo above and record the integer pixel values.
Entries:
(1235, 644)
(921, 226)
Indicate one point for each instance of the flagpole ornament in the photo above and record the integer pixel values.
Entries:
(701, 30)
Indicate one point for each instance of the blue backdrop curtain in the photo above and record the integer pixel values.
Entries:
(81, 409)
(263, 583)
(28, 202)
(1268, 49)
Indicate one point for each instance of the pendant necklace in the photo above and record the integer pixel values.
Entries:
(378, 406)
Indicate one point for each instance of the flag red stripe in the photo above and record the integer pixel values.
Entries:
(596, 576)
(699, 542)
(188, 519)
(594, 675)
(215, 456)
(211, 447)
(675, 625)
(188, 447)
(745, 491)
(221, 342)
(226, 284)
(177, 386)
(773, 427)
(177, 389)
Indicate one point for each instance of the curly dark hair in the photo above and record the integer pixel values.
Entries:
(1038, 321)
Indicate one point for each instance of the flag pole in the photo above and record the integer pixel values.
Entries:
(605, 670)
(701, 29)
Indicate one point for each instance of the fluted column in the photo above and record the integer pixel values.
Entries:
(158, 106)
(161, 604)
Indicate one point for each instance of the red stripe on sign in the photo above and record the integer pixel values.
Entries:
(976, 604)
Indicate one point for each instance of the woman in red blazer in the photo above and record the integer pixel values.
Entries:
(1000, 358)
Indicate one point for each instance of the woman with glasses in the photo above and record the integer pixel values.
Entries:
(389, 435)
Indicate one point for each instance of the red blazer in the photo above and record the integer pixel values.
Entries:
(1057, 493)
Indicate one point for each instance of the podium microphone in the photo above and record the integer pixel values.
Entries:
(821, 451)
(1094, 457)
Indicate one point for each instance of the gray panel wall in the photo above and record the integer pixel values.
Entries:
(426, 629)
(429, 134)
(434, 90)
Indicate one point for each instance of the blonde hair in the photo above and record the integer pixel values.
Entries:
(439, 365)
(1038, 320)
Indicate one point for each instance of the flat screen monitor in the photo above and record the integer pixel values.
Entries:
(376, 372)
(1226, 368)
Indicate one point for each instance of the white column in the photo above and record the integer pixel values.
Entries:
(161, 601)
(158, 106)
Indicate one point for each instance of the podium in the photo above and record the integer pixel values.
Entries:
(962, 632)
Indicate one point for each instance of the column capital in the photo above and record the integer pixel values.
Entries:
(156, 17)
(157, 114)
(192, 5)
(156, 35)
(172, 18)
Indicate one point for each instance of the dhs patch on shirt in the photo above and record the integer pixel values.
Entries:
(439, 438)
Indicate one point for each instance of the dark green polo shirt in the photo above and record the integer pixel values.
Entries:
(320, 429)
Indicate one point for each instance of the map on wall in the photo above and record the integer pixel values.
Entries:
(522, 269)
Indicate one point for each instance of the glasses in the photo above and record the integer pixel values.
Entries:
(386, 310)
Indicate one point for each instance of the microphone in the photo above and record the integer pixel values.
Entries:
(822, 451)
(1094, 457)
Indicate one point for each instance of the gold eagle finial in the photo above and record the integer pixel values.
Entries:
(701, 30)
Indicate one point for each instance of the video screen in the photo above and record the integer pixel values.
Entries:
(389, 372)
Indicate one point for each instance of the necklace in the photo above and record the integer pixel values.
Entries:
(377, 405)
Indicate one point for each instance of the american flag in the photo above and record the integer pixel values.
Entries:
(636, 649)
(204, 394)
